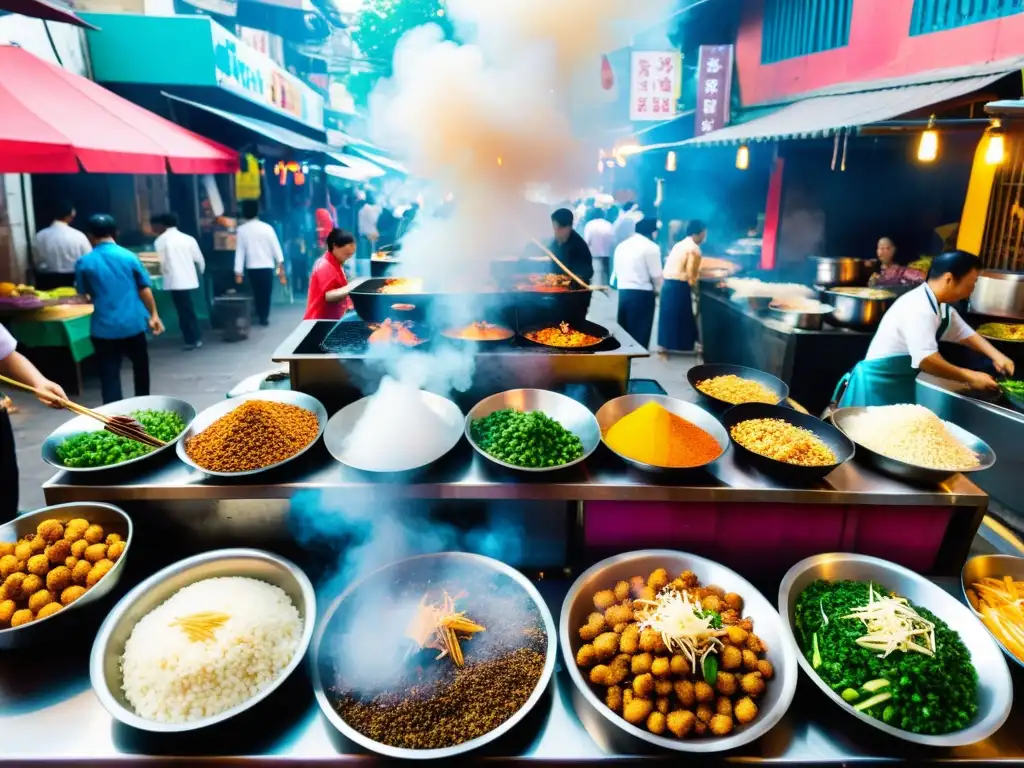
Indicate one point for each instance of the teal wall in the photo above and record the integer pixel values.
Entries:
(795, 28)
(937, 15)
(152, 50)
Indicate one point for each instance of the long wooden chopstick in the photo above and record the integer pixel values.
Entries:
(564, 268)
(130, 433)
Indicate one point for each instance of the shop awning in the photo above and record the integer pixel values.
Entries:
(54, 121)
(274, 133)
(363, 167)
(44, 9)
(346, 173)
(383, 162)
(824, 115)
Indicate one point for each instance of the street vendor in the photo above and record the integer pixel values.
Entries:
(892, 273)
(570, 247)
(907, 340)
(328, 287)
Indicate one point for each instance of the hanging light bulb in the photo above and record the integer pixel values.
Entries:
(995, 152)
(743, 157)
(928, 147)
(670, 162)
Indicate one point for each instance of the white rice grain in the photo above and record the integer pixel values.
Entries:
(909, 433)
(168, 677)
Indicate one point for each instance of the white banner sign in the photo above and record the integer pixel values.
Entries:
(655, 85)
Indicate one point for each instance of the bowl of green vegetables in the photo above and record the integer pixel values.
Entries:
(532, 430)
(895, 650)
(83, 445)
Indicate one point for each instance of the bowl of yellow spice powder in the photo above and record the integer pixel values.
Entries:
(655, 433)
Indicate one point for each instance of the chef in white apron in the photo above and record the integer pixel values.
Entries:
(907, 340)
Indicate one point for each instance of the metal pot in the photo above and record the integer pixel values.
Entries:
(856, 312)
(999, 294)
(830, 272)
(804, 321)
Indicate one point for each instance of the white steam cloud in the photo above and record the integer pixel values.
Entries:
(491, 119)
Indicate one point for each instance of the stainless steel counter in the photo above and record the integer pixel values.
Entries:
(50, 716)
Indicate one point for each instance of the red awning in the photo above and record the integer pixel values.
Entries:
(43, 9)
(52, 120)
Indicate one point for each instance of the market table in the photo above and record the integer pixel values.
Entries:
(57, 340)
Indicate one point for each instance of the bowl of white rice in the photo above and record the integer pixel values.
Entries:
(912, 443)
(203, 640)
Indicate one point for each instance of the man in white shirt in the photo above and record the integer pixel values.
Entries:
(599, 235)
(625, 225)
(56, 250)
(636, 273)
(907, 340)
(181, 264)
(366, 224)
(258, 253)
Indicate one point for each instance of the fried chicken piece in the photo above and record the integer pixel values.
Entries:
(704, 692)
(661, 667)
(24, 616)
(48, 610)
(705, 713)
(736, 635)
(643, 685)
(619, 614)
(754, 643)
(680, 723)
(95, 552)
(50, 531)
(69, 595)
(656, 723)
(637, 711)
(720, 725)
(689, 579)
(663, 687)
(725, 683)
(629, 642)
(734, 601)
(661, 704)
(613, 698)
(58, 579)
(752, 684)
(586, 656)
(604, 599)
(606, 644)
(115, 550)
(723, 706)
(80, 572)
(59, 551)
(78, 547)
(39, 599)
(38, 564)
(658, 579)
(745, 710)
(7, 609)
(621, 591)
(679, 666)
(749, 660)
(641, 663)
(595, 626)
(765, 668)
(730, 658)
(636, 584)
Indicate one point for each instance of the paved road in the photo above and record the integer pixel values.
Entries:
(202, 377)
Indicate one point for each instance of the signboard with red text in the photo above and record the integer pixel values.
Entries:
(714, 88)
(655, 84)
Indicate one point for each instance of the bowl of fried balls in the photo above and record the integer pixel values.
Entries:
(673, 651)
(54, 561)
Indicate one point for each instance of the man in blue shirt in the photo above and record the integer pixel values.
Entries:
(123, 307)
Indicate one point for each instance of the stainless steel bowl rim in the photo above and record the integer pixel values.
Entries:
(960, 738)
(467, 746)
(837, 415)
(963, 590)
(470, 418)
(120, 408)
(100, 644)
(286, 396)
(45, 513)
(664, 400)
(456, 436)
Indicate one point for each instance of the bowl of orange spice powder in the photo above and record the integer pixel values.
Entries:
(655, 433)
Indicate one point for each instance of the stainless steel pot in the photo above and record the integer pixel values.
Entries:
(999, 294)
(856, 312)
(830, 273)
(804, 321)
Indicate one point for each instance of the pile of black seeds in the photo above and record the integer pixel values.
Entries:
(433, 704)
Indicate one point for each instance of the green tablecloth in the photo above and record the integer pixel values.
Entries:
(39, 330)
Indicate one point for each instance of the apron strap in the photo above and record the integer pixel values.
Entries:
(840, 390)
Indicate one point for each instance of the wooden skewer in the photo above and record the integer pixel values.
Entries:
(120, 428)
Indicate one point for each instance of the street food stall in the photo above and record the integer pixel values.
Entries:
(381, 542)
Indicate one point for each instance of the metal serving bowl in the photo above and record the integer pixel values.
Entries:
(111, 518)
(571, 414)
(912, 472)
(108, 648)
(836, 441)
(995, 689)
(856, 311)
(81, 424)
(995, 567)
(223, 408)
(609, 728)
(343, 423)
(425, 568)
(842, 271)
(801, 319)
(614, 410)
(700, 373)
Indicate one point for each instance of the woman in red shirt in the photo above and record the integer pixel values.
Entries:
(328, 286)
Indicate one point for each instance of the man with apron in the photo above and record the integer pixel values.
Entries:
(907, 340)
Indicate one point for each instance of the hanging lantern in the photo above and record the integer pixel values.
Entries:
(607, 74)
(928, 147)
(743, 157)
(670, 162)
(995, 152)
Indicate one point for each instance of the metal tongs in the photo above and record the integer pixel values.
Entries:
(122, 426)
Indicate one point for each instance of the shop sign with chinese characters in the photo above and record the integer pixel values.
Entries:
(655, 85)
(714, 88)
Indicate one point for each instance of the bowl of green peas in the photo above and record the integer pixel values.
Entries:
(82, 445)
(532, 430)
